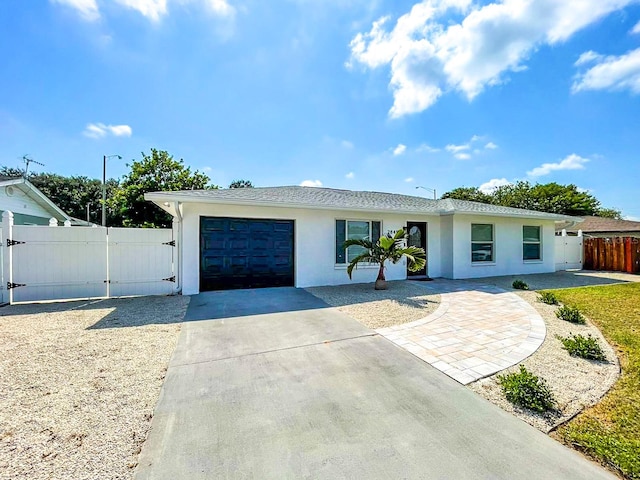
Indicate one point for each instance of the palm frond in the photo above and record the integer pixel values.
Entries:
(363, 257)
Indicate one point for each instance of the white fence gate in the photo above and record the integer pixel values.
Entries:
(55, 263)
(568, 252)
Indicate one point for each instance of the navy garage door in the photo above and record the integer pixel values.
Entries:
(245, 253)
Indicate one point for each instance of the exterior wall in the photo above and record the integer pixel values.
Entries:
(507, 247)
(446, 241)
(314, 249)
(21, 204)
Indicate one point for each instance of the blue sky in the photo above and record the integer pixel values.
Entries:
(368, 95)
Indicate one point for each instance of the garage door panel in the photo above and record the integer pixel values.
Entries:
(245, 253)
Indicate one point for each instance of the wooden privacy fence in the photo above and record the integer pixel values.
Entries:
(56, 263)
(618, 254)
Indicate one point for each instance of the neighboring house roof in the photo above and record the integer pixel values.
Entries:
(605, 225)
(36, 195)
(333, 199)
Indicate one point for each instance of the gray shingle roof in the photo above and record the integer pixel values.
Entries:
(329, 198)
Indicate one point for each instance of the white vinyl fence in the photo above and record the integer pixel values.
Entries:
(56, 263)
(568, 251)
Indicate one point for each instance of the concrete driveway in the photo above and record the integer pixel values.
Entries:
(274, 384)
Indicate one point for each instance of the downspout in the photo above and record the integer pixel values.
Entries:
(176, 206)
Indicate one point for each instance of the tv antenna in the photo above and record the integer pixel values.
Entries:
(27, 161)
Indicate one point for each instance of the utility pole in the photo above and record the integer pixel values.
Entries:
(104, 187)
(435, 197)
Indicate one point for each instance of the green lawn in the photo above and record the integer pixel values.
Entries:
(610, 431)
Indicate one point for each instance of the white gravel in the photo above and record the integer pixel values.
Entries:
(79, 382)
(402, 302)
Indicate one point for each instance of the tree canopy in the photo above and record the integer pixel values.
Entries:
(550, 197)
(241, 184)
(156, 172)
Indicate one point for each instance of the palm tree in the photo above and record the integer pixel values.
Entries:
(388, 247)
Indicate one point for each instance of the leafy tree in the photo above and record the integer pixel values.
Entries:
(387, 248)
(155, 172)
(241, 184)
(472, 194)
(609, 213)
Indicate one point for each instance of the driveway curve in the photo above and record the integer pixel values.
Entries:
(476, 331)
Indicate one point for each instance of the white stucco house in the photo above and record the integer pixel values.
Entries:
(292, 236)
(29, 205)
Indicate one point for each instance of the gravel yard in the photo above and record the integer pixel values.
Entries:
(402, 302)
(79, 382)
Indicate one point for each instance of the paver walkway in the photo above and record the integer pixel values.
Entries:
(477, 331)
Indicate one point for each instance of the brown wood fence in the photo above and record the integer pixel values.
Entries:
(618, 254)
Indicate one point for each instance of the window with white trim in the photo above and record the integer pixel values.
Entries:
(354, 229)
(482, 242)
(531, 243)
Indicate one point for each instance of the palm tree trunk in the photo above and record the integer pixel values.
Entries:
(381, 272)
(381, 282)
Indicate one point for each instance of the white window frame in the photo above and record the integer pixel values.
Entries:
(346, 235)
(492, 242)
(539, 242)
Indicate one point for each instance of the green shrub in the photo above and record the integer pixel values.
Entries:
(527, 390)
(583, 347)
(520, 285)
(570, 314)
(549, 298)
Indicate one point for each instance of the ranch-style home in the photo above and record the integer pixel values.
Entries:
(292, 236)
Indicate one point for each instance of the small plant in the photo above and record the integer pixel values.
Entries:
(570, 314)
(549, 298)
(520, 285)
(527, 390)
(583, 347)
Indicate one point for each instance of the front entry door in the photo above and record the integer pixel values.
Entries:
(417, 238)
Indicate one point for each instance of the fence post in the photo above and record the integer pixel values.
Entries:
(7, 267)
(176, 227)
(67, 223)
(53, 222)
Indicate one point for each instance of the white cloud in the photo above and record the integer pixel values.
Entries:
(609, 73)
(88, 9)
(457, 148)
(350, 175)
(491, 146)
(99, 130)
(346, 144)
(429, 54)
(426, 148)
(571, 162)
(152, 9)
(400, 149)
(636, 29)
(311, 183)
(220, 7)
(491, 185)
(462, 156)
(409, 179)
